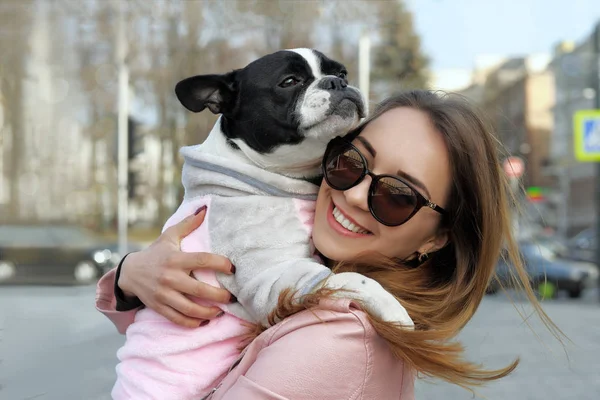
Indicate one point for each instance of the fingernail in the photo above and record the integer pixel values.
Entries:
(233, 299)
(204, 323)
(232, 269)
(220, 314)
(198, 211)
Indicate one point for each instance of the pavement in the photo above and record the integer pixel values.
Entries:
(497, 335)
(55, 346)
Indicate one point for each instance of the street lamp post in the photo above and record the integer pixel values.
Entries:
(122, 128)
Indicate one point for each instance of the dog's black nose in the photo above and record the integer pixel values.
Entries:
(332, 83)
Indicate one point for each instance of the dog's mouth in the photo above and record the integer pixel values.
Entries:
(360, 106)
(343, 109)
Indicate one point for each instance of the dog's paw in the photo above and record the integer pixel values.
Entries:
(372, 296)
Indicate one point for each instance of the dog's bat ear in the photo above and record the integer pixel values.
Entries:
(217, 92)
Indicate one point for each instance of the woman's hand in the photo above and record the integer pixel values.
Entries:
(160, 276)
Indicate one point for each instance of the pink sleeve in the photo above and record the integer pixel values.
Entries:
(335, 360)
(106, 303)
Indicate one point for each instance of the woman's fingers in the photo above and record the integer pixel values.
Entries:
(188, 308)
(191, 261)
(186, 226)
(203, 290)
(178, 318)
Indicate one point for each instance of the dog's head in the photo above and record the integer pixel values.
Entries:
(281, 110)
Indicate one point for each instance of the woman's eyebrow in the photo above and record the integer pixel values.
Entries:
(367, 145)
(401, 174)
(415, 182)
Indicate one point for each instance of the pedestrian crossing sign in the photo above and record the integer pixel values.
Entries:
(586, 127)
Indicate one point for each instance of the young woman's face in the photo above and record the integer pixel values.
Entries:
(401, 142)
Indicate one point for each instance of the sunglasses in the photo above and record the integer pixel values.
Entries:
(392, 201)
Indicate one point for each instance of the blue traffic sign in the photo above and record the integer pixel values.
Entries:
(587, 135)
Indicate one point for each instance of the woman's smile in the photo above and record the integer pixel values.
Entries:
(342, 223)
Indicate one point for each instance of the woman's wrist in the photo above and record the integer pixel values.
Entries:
(121, 280)
(126, 299)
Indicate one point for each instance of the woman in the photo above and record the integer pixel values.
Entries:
(415, 199)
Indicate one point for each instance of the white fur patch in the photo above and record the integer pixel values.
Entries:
(312, 60)
(314, 106)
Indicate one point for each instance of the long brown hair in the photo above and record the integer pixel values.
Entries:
(442, 294)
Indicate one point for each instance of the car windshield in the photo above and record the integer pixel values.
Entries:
(44, 236)
(22, 235)
(537, 250)
(586, 238)
(67, 235)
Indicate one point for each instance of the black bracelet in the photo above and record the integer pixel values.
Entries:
(124, 303)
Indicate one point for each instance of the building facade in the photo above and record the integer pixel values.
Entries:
(574, 69)
(517, 96)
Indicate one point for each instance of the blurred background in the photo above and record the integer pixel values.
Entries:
(89, 167)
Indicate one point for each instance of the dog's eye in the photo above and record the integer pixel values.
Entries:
(343, 74)
(288, 82)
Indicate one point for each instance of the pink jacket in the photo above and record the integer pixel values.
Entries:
(332, 353)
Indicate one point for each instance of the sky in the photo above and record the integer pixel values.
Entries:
(454, 32)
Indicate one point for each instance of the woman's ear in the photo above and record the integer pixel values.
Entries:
(439, 241)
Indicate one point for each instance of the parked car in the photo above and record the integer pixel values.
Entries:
(549, 272)
(583, 246)
(52, 254)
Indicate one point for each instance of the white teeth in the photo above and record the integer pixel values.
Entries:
(339, 217)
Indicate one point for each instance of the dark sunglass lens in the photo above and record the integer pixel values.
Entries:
(343, 167)
(393, 201)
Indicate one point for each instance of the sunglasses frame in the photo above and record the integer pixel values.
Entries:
(422, 201)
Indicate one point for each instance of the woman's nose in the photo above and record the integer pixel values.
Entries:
(358, 195)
